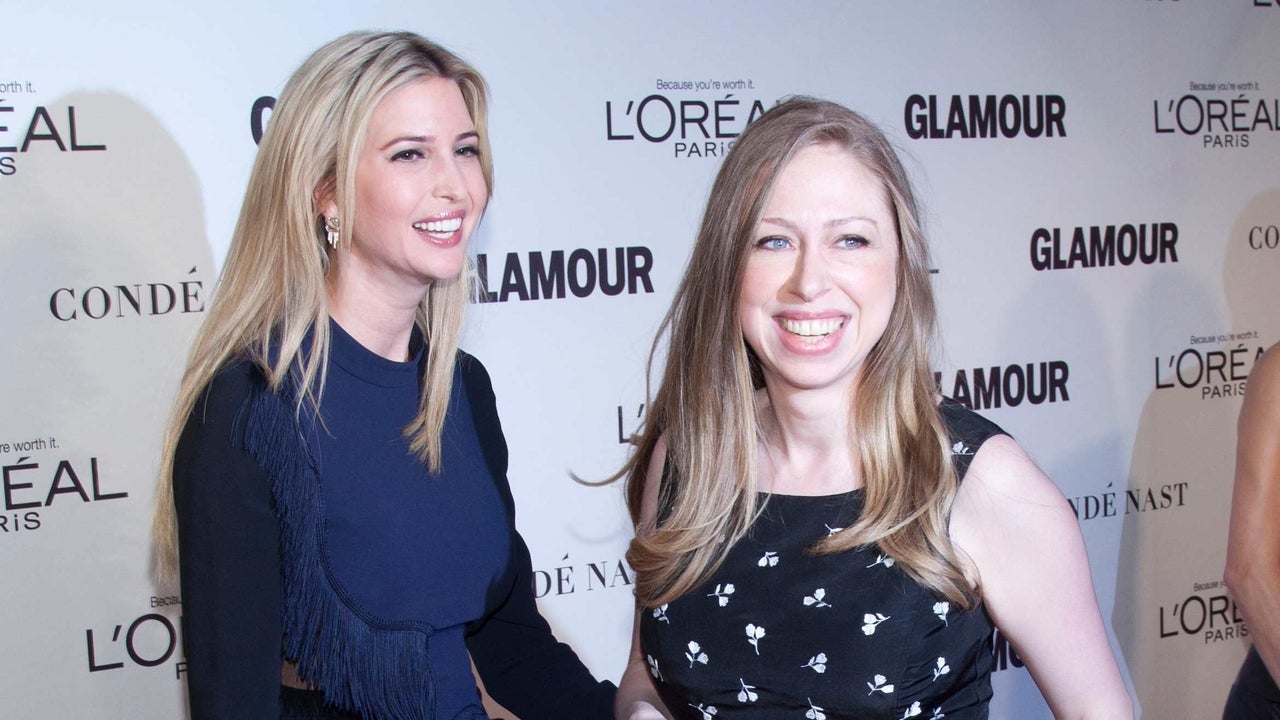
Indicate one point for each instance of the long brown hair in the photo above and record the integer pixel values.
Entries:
(272, 290)
(706, 405)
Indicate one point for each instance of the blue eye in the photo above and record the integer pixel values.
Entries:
(852, 241)
(773, 242)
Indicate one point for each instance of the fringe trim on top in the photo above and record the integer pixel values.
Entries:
(376, 668)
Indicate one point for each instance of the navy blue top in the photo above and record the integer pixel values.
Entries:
(407, 546)
(777, 631)
(412, 569)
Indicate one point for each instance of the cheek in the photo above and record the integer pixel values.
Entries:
(881, 301)
(477, 188)
(880, 284)
(375, 200)
(756, 291)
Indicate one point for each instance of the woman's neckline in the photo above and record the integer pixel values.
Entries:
(360, 361)
(824, 496)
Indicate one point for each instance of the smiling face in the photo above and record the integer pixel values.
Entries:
(420, 190)
(821, 277)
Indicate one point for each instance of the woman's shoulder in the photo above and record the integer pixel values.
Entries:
(1264, 377)
(968, 432)
(226, 392)
(472, 370)
(1005, 494)
(477, 384)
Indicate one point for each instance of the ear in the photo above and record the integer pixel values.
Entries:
(325, 198)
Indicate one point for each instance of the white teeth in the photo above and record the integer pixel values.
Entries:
(811, 328)
(441, 227)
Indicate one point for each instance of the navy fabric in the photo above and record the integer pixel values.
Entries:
(407, 546)
(437, 555)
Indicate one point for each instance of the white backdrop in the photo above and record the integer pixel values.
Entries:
(125, 143)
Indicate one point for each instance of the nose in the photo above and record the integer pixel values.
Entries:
(810, 277)
(447, 180)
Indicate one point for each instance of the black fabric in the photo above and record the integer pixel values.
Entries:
(777, 631)
(298, 704)
(229, 553)
(230, 561)
(1254, 695)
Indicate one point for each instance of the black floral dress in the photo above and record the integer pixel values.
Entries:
(778, 632)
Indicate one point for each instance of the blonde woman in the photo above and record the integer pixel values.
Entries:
(334, 481)
(819, 535)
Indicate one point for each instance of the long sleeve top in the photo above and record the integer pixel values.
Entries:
(320, 539)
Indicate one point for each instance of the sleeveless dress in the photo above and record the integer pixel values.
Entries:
(777, 632)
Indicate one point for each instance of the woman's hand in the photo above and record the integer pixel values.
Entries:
(637, 698)
(641, 710)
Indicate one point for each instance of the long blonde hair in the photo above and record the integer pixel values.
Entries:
(706, 405)
(272, 290)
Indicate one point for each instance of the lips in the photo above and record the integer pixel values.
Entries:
(811, 328)
(810, 335)
(443, 230)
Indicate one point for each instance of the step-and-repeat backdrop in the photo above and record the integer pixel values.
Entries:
(1102, 187)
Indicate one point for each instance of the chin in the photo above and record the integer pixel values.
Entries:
(444, 271)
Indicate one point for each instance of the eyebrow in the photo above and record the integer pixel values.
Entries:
(835, 222)
(428, 139)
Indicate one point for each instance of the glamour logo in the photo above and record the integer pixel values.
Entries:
(1214, 619)
(131, 300)
(1220, 122)
(543, 275)
(149, 641)
(1034, 383)
(1134, 500)
(30, 487)
(1104, 246)
(1214, 373)
(692, 127)
(41, 130)
(569, 579)
(985, 116)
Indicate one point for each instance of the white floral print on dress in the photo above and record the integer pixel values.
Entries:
(878, 684)
(695, 654)
(817, 599)
(722, 593)
(884, 560)
(941, 609)
(708, 711)
(871, 621)
(818, 663)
